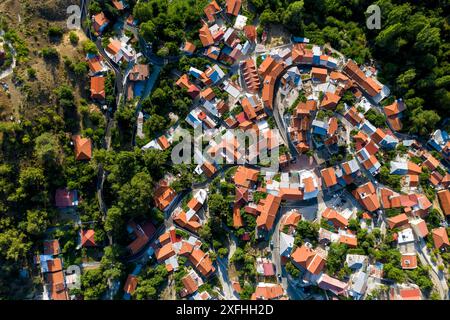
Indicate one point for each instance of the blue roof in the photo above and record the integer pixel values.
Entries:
(227, 50)
(319, 130)
(138, 88)
(215, 77)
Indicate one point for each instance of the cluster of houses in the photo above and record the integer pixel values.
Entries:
(119, 51)
(57, 279)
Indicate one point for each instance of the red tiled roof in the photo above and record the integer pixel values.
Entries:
(333, 216)
(130, 284)
(54, 265)
(211, 10)
(444, 200)
(189, 284)
(250, 32)
(51, 247)
(208, 169)
(356, 74)
(165, 252)
(330, 100)
(83, 148)
(189, 47)
(309, 259)
(205, 36)
(397, 221)
(268, 212)
(440, 238)
(64, 198)
(367, 196)
(163, 195)
(410, 294)
(98, 88)
(245, 176)
(237, 219)
(409, 261)
(268, 292)
(233, 7)
(99, 20)
(88, 238)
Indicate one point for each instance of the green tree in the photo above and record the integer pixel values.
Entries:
(47, 148)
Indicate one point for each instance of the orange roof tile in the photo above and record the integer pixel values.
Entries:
(237, 219)
(245, 176)
(291, 219)
(205, 36)
(440, 238)
(88, 238)
(98, 88)
(54, 265)
(444, 200)
(233, 7)
(189, 284)
(211, 10)
(189, 47)
(397, 221)
(99, 20)
(309, 259)
(95, 65)
(163, 195)
(338, 76)
(330, 100)
(268, 212)
(130, 284)
(207, 94)
(409, 261)
(352, 70)
(367, 196)
(410, 294)
(337, 219)
(163, 142)
(431, 162)
(350, 241)
(268, 292)
(250, 32)
(164, 252)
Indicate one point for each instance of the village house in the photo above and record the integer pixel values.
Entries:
(269, 291)
(163, 195)
(308, 259)
(98, 88)
(99, 23)
(83, 148)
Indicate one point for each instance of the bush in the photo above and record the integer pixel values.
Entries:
(55, 32)
(50, 53)
(31, 73)
(90, 47)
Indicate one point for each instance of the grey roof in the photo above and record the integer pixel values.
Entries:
(286, 243)
(359, 282)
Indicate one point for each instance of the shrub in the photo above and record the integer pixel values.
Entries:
(55, 32)
(50, 53)
(73, 37)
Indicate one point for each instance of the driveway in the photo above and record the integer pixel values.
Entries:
(438, 279)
